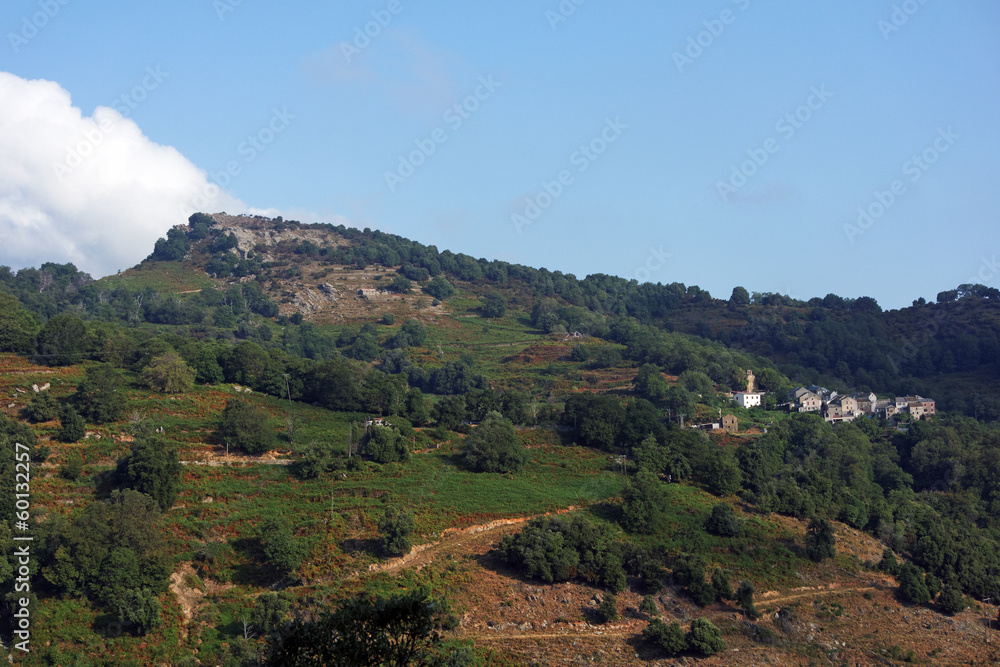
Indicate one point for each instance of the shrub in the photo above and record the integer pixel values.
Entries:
(151, 467)
(704, 637)
(101, 396)
(648, 606)
(396, 525)
(888, 564)
(607, 611)
(951, 600)
(744, 599)
(140, 609)
(820, 540)
(281, 548)
(911, 584)
(494, 446)
(724, 522)
(670, 638)
(269, 611)
(642, 510)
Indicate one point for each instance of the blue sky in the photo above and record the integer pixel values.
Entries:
(588, 138)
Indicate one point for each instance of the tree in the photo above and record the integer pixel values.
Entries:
(888, 564)
(244, 426)
(396, 525)
(72, 466)
(151, 467)
(101, 396)
(820, 540)
(17, 326)
(724, 522)
(72, 426)
(281, 549)
(642, 510)
(139, 608)
(951, 599)
(670, 637)
(650, 383)
(61, 340)
(494, 446)
(269, 612)
(168, 373)
(42, 407)
(739, 298)
(911, 584)
(416, 407)
(449, 412)
(385, 445)
(744, 599)
(723, 589)
(704, 637)
(397, 630)
(439, 288)
(493, 305)
(607, 611)
(724, 473)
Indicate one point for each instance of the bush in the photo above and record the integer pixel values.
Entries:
(744, 599)
(888, 564)
(911, 584)
(72, 467)
(724, 522)
(607, 611)
(269, 612)
(439, 288)
(244, 426)
(281, 549)
(151, 467)
(648, 606)
(42, 407)
(670, 638)
(642, 510)
(704, 637)
(140, 609)
(493, 446)
(168, 373)
(396, 525)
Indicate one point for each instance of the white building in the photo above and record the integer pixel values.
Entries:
(746, 399)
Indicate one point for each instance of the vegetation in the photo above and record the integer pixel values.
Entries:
(396, 526)
(493, 446)
(244, 426)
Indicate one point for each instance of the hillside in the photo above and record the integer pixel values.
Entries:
(572, 390)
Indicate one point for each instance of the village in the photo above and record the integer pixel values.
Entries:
(832, 406)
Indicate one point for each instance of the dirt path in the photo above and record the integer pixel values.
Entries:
(452, 538)
(761, 602)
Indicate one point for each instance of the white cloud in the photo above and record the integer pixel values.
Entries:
(92, 190)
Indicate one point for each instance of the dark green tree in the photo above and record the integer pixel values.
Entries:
(151, 467)
(281, 548)
(42, 407)
(439, 288)
(744, 600)
(449, 412)
(643, 509)
(72, 466)
(396, 526)
(650, 383)
(724, 476)
(494, 446)
(951, 599)
(244, 426)
(269, 611)
(416, 407)
(720, 583)
(493, 305)
(72, 427)
(648, 606)
(911, 584)
(62, 340)
(739, 298)
(724, 522)
(100, 398)
(385, 445)
(18, 326)
(139, 609)
(820, 540)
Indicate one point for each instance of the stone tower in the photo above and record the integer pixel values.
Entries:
(751, 389)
